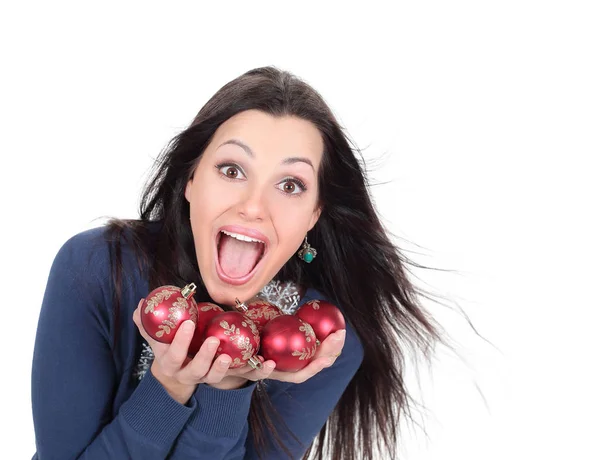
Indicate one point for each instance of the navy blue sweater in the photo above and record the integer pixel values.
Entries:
(87, 403)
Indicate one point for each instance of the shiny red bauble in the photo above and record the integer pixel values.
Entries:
(259, 311)
(165, 308)
(206, 312)
(288, 341)
(324, 317)
(239, 338)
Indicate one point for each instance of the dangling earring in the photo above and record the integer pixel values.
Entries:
(307, 253)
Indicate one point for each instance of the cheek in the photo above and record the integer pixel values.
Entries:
(290, 238)
(299, 208)
(210, 196)
(291, 221)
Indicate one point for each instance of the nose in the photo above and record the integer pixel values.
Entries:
(253, 206)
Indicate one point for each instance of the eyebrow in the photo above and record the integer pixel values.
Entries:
(248, 150)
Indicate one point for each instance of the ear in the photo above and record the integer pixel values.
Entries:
(314, 218)
(188, 190)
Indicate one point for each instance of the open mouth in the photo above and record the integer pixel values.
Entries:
(238, 255)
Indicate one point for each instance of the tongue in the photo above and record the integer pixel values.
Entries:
(238, 258)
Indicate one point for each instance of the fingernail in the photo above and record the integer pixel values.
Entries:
(212, 343)
(269, 367)
(340, 335)
(188, 326)
(224, 363)
(331, 361)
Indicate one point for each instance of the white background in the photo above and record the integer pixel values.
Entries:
(481, 117)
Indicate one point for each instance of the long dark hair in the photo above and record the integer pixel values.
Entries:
(374, 286)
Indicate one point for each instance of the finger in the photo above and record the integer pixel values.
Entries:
(198, 367)
(137, 319)
(260, 374)
(313, 368)
(137, 315)
(332, 346)
(176, 353)
(242, 371)
(218, 370)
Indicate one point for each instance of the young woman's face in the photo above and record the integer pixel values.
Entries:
(253, 197)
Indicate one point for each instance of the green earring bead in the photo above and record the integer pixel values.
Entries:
(307, 253)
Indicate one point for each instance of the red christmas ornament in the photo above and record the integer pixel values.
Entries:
(206, 312)
(324, 317)
(165, 308)
(239, 338)
(259, 311)
(288, 341)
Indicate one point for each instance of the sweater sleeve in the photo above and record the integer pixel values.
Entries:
(219, 424)
(74, 381)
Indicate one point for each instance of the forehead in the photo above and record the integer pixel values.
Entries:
(268, 135)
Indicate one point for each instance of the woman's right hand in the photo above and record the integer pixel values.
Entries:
(172, 367)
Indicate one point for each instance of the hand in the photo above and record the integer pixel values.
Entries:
(180, 375)
(327, 353)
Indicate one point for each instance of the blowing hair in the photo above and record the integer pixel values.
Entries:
(374, 288)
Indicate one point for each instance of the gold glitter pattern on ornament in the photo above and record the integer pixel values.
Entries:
(164, 329)
(241, 342)
(157, 299)
(251, 325)
(265, 311)
(212, 307)
(308, 331)
(314, 304)
(175, 313)
(305, 353)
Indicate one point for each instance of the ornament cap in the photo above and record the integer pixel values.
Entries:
(240, 306)
(255, 363)
(188, 291)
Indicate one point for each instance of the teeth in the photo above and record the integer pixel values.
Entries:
(237, 236)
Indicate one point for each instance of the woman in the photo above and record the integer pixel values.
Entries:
(264, 159)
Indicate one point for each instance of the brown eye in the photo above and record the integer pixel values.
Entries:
(292, 186)
(230, 171)
(289, 187)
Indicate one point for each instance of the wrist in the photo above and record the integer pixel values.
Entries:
(177, 390)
